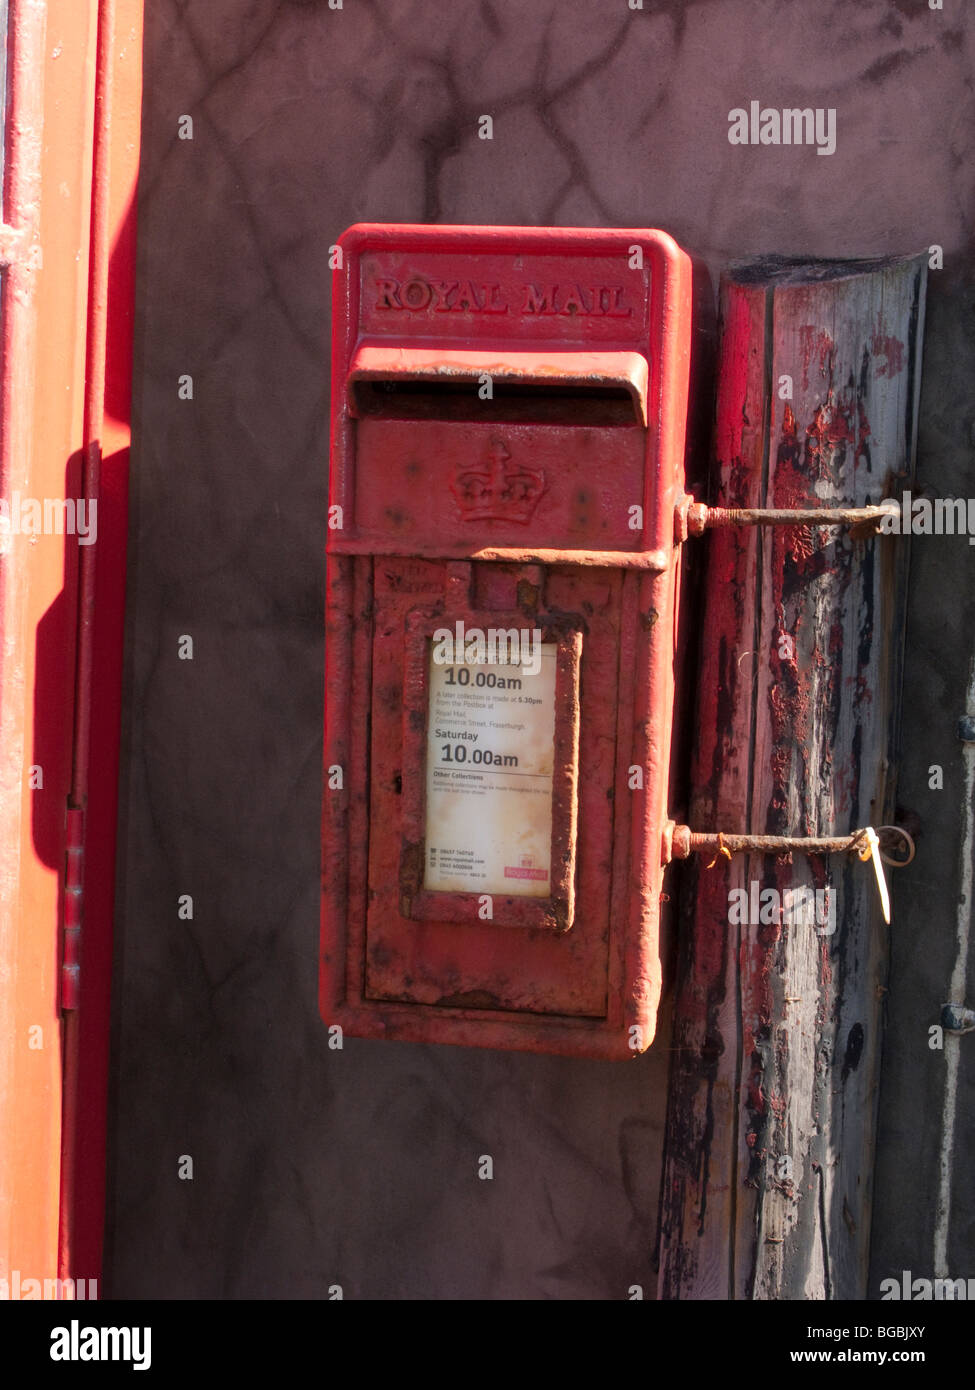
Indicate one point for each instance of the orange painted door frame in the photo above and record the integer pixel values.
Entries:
(67, 248)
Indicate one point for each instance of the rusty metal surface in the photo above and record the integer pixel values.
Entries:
(428, 485)
(516, 960)
(792, 516)
(560, 516)
(385, 364)
(695, 518)
(686, 842)
(521, 555)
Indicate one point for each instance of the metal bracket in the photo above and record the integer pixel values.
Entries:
(680, 841)
(694, 518)
(683, 842)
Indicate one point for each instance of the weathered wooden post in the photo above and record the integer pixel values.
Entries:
(767, 1182)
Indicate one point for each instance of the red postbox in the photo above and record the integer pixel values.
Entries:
(508, 413)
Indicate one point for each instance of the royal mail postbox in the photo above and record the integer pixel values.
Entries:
(508, 410)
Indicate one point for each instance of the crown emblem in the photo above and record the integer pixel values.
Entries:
(496, 489)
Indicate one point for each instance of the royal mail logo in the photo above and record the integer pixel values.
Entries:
(420, 296)
(497, 489)
(526, 869)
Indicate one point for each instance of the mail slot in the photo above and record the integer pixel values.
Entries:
(507, 442)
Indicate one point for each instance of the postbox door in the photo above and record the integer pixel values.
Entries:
(482, 950)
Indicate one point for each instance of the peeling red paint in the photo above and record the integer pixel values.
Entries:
(890, 348)
(815, 343)
(733, 382)
(805, 717)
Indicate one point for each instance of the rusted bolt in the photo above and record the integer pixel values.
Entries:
(697, 519)
(685, 842)
(677, 841)
(694, 518)
(690, 519)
